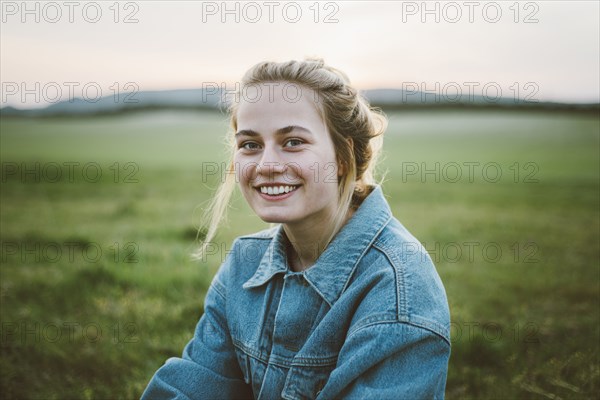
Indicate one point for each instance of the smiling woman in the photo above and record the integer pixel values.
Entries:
(286, 161)
(338, 299)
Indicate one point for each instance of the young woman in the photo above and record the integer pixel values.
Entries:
(338, 300)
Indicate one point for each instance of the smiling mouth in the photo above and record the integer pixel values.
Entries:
(276, 190)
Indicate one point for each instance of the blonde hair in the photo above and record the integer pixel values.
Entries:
(355, 127)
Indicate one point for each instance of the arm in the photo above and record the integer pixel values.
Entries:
(392, 360)
(208, 368)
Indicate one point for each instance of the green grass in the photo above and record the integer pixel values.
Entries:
(525, 322)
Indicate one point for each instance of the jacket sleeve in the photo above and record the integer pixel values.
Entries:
(392, 360)
(208, 368)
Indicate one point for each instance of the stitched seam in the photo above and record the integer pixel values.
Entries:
(402, 313)
(431, 326)
(303, 361)
(215, 285)
(372, 320)
(410, 324)
(367, 247)
(249, 351)
(285, 362)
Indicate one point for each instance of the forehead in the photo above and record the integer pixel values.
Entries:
(271, 105)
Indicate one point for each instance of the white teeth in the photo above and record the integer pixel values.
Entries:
(276, 190)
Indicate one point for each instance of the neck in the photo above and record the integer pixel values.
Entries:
(306, 243)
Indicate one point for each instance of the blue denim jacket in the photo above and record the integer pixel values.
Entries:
(369, 320)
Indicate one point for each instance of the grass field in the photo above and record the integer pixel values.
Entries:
(98, 288)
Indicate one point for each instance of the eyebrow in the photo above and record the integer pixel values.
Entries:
(278, 132)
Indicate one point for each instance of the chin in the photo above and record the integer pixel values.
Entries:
(274, 219)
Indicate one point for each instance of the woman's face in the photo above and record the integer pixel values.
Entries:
(285, 160)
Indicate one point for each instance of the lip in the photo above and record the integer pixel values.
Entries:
(278, 197)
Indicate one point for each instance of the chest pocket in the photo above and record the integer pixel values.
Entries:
(305, 382)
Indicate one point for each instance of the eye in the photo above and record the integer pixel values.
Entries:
(293, 143)
(249, 146)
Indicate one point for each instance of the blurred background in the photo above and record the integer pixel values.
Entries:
(112, 130)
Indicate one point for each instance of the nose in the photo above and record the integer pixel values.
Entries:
(270, 163)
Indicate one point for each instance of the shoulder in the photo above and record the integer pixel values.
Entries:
(401, 283)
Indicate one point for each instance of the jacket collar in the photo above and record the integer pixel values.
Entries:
(332, 271)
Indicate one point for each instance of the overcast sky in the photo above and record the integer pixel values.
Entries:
(546, 50)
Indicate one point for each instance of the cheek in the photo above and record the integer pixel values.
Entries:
(316, 168)
(244, 170)
(295, 170)
(326, 173)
